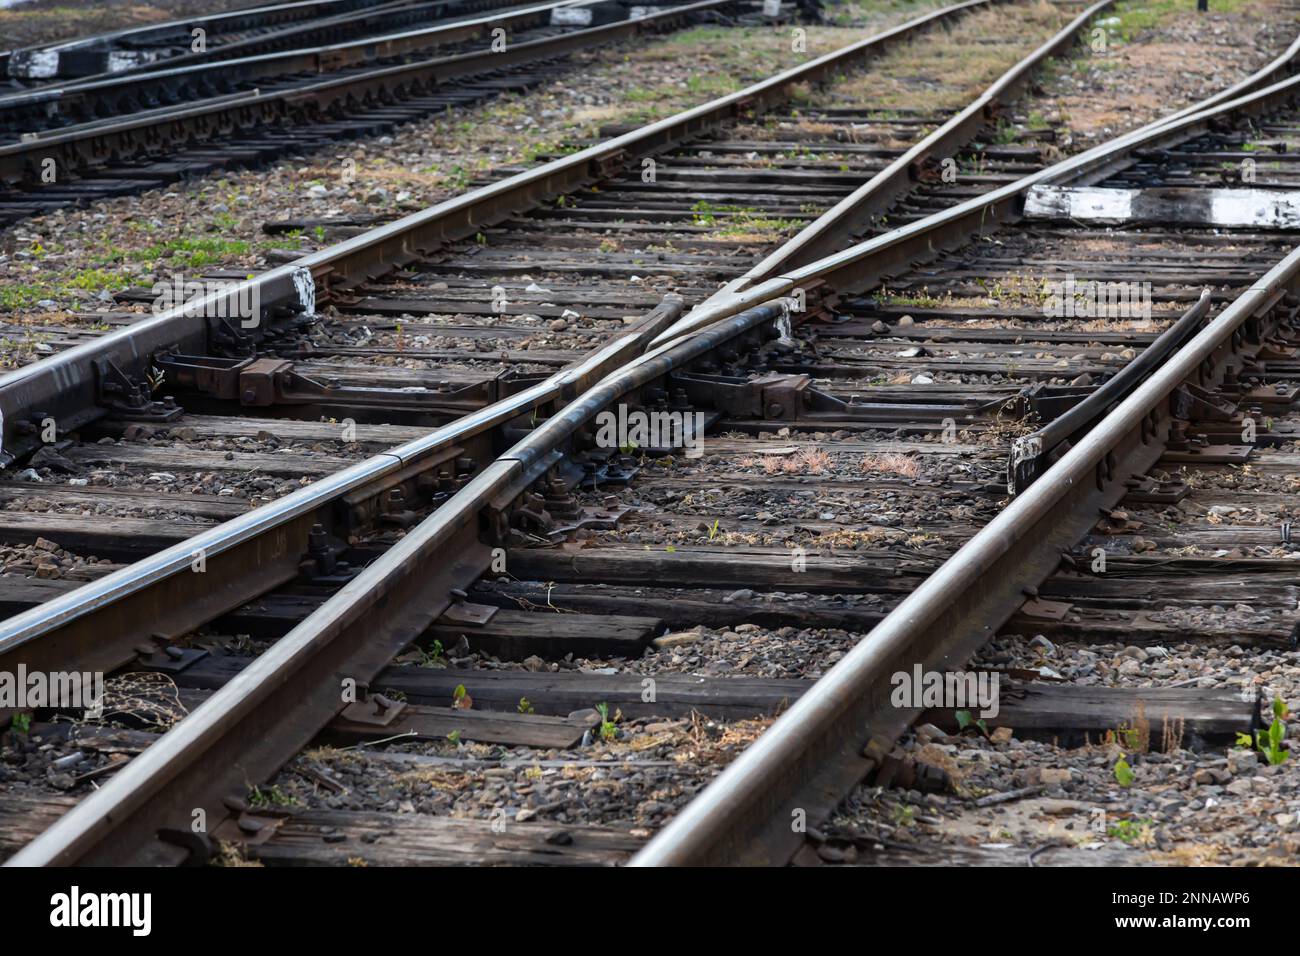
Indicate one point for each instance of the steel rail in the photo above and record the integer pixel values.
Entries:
(318, 59)
(64, 386)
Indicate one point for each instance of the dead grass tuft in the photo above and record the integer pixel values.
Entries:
(891, 463)
(810, 460)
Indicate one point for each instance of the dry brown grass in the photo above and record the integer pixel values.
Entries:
(1171, 734)
(891, 463)
(439, 778)
(812, 460)
(850, 538)
(805, 461)
(1190, 854)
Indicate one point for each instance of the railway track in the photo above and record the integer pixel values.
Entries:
(132, 131)
(848, 417)
(260, 29)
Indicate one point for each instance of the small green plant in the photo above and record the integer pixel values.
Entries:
(458, 178)
(1123, 772)
(1129, 737)
(1131, 831)
(460, 698)
(22, 723)
(1270, 742)
(966, 721)
(454, 737)
(433, 657)
(271, 797)
(607, 729)
(1005, 134)
(526, 706)
(713, 529)
(903, 815)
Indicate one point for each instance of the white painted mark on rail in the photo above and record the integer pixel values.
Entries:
(305, 286)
